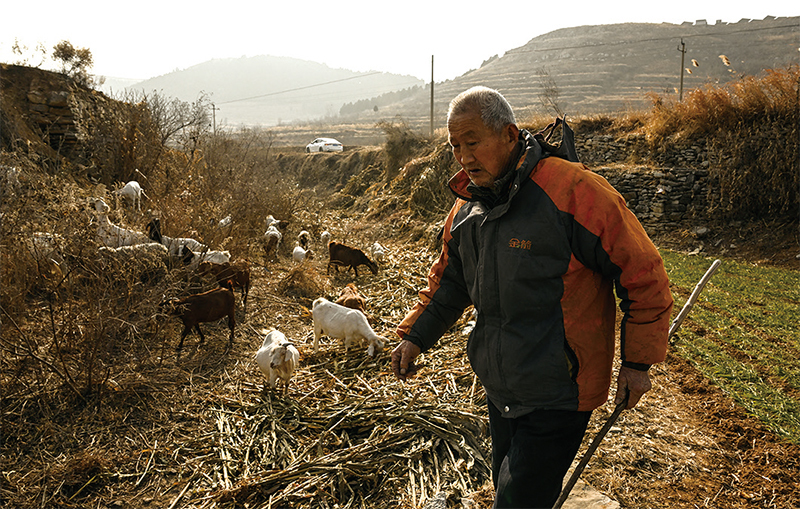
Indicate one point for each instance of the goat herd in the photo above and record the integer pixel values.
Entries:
(277, 358)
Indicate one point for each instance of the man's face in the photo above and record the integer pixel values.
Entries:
(479, 150)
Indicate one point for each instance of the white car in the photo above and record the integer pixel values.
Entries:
(324, 145)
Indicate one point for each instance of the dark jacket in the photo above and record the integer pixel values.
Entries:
(539, 268)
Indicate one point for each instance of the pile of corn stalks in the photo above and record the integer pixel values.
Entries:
(348, 433)
(353, 438)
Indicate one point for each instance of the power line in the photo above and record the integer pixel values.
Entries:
(654, 39)
(301, 88)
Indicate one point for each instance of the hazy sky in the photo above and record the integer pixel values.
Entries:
(147, 38)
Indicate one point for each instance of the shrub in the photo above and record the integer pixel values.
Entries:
(402, 145)
(751, 126)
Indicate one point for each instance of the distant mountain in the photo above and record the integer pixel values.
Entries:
(611, 68)
(114, 87)
(267, 90)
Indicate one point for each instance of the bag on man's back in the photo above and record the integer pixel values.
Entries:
(565, 149)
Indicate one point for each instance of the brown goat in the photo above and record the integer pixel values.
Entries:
(203, 307)
(237, 272)
(349, 297)
(346, 256)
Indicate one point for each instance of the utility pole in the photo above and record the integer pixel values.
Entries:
(682, 49)
(214, 117)
(431, 97)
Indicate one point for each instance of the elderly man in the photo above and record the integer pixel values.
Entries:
(538, 244)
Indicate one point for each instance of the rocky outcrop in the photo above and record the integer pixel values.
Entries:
(49, 115)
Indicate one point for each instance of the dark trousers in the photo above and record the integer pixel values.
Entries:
(531, 455)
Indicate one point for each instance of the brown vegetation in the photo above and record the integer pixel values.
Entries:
(752, 128)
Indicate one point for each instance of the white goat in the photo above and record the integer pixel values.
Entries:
(341, 322)
(378, 252)
(193, 259)
(277, 223)
(277, 358)
(173, 244)
(150, 249)
(143, 260)
(132, 191)
(272, 240)
(325, 237)
(111, 235)
(100, 206)
(299, 254)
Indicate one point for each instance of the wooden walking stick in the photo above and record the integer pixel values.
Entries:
(620, 407)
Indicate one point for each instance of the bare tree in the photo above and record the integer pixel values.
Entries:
(178, 121)
(549, 91)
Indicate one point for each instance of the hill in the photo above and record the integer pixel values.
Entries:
(611, 68)
(268, 90)
(582, 70)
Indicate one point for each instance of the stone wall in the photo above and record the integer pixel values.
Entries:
(663, 199)
(670, 189)
(51, 112)
(603, 148)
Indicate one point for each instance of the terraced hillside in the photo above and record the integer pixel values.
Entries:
(610, 68)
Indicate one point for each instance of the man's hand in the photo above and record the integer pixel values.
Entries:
(403, 359)
(633, 381)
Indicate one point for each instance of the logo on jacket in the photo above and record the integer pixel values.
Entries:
(519, 244)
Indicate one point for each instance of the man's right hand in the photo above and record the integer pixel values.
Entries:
(403, 359)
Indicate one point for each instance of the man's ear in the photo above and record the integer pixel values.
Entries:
(513, 133)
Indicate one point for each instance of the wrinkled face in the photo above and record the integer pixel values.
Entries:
(482, 152)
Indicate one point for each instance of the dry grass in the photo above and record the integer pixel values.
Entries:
(752, 129)
(749, 128)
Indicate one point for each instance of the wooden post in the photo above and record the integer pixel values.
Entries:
(431, 97)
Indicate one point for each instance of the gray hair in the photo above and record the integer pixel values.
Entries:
(495, 111)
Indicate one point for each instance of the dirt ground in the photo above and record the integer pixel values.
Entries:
(771, 243)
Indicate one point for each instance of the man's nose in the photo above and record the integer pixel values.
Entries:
(466, 156)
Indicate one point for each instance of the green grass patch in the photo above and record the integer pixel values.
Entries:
(743, 334)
